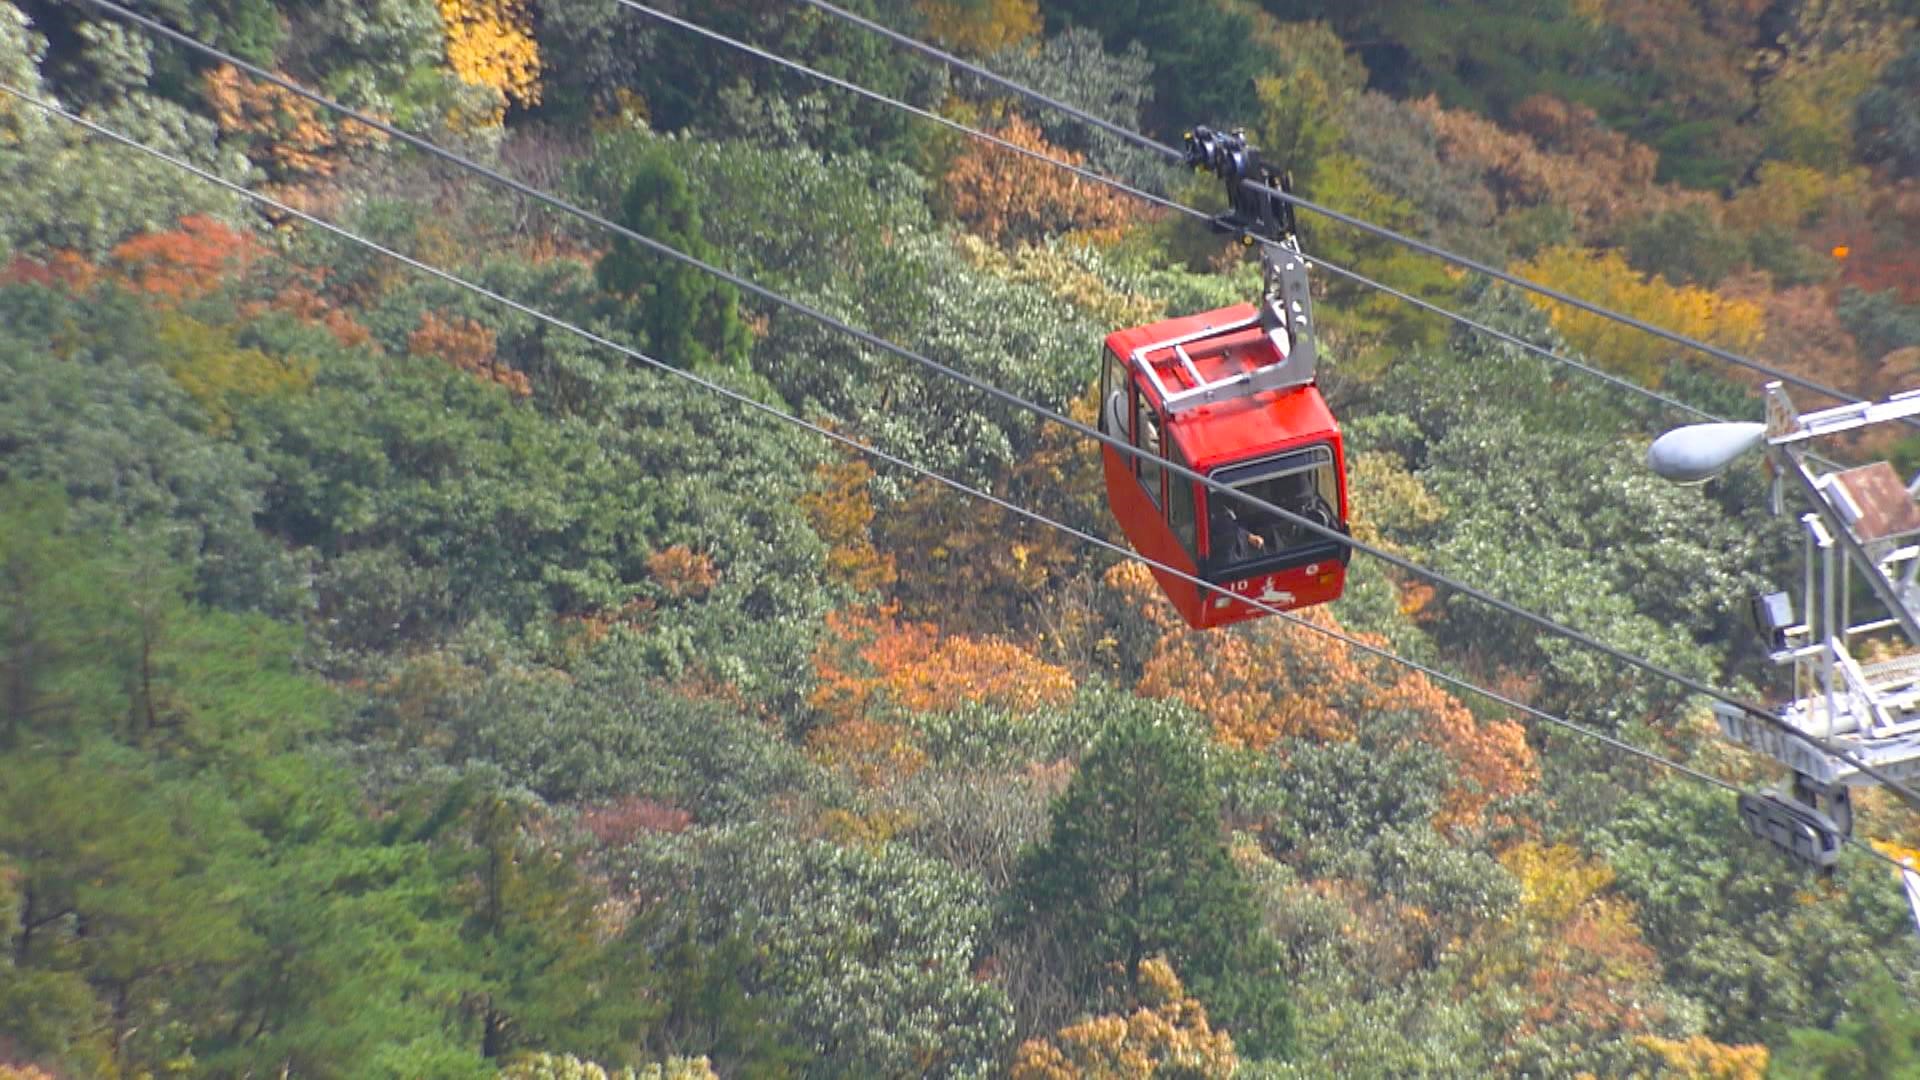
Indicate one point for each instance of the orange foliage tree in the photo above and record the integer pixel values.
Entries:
(185, 263)
(468, 346)
(683, 573)
(290, 137)
(871, 662)
(203, 256)
(1168, 1035)
(1009, 196)
(1802, 329)
(491, 43)
(1563, 155)
(1273, 680)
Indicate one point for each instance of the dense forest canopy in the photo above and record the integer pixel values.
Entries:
(396, 684)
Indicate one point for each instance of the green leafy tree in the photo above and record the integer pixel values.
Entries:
(1204, 65)
(1745, 932)
(1074, 67)
(867, 954)
(686, 316)
(1879, 1036)
(1136, 865)
(1886, 127)
(543, 978)
(616, 63)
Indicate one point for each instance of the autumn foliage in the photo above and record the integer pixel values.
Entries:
(1168, 1035)
(1008, 196)
(1700, 1058)
(1562, 155)
(1273, 680)
(871, 656)
(1604, 278)
(491, 43)
(468, 346)
(287, 135)
(842, 513)
(870, 660)
(1593, 966)
(185, 263)
(981, 27)
(682, 572)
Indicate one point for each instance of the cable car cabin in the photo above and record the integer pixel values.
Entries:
(1212, 392)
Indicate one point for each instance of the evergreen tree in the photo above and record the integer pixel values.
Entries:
(1880, 1036)
(1136, 867)
(684, 315)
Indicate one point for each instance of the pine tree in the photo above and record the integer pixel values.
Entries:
(684, 315)
(1136, 866)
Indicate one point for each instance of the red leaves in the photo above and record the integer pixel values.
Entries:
(468, 346)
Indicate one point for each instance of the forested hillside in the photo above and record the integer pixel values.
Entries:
(396, 683)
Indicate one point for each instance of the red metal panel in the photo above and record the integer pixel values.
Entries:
(1150, 534)
(1147, 530)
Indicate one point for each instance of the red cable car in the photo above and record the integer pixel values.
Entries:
(1230, 394)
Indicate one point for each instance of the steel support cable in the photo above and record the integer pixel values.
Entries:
(1120, 446)
(1150, 198)
(1363, 225)
(891, 459)
(1169, 204)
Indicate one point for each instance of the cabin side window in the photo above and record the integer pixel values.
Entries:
(1180, 505)
(1146, 436)
(1113, 396)
(1303, 482)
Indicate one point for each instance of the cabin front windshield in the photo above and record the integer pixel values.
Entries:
(1302, 482)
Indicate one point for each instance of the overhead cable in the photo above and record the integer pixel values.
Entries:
(1150, 198)
(1381, 231)
(1119, 446)
(878, 454)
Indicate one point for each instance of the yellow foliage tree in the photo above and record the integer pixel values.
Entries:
(981, 26)
(841, 511)
(1168, 1035)
(1052, 268)
(490, 43)
(1700, 1058)
(219, 374)
(1604, 278)
(1399, 502)
(1592, 968)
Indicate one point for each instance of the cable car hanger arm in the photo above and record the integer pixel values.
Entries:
(1257, 214)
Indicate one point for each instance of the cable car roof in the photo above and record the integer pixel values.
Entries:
(1219, 349)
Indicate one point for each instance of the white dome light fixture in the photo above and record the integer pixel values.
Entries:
(1699, 452)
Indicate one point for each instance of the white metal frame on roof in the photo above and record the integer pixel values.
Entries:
(1286, 315)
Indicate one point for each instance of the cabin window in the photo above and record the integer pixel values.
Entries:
(1113, 396)
(1146, 436)
(1303, 482)
(1180, 506)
